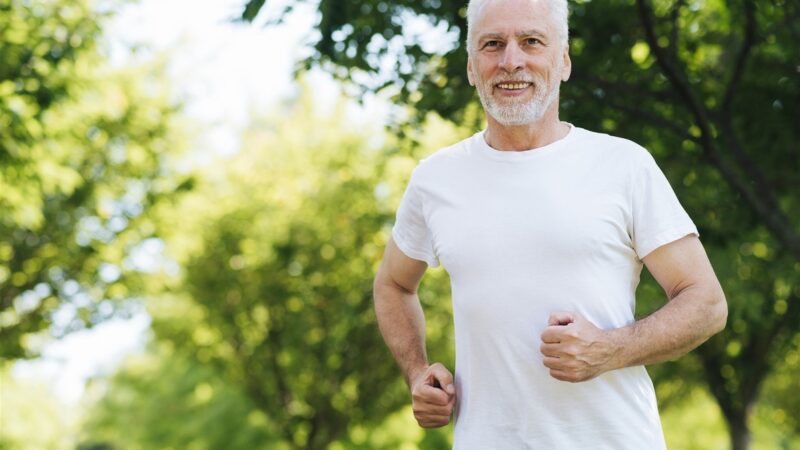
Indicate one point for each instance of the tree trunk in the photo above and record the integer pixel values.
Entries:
(737, 429)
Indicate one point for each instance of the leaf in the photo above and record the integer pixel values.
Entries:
(251, 10)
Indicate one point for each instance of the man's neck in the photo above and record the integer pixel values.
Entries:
(545, 131)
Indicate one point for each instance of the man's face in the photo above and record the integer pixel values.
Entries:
(517, 61)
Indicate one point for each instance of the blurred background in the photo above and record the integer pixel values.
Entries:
(194, 197)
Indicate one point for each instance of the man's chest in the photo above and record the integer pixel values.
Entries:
(533, 222)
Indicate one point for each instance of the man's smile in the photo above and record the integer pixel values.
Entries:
(514, 85)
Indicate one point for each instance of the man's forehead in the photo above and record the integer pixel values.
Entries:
(513, 17)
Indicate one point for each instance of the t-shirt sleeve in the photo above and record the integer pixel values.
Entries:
(410, 231)
(657, 215)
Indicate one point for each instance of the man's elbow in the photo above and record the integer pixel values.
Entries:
(384, 288)
(719, 311)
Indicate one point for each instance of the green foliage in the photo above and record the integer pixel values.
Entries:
(84, 153)
(398, 430)
(279, 259)
(777, 412)
(167, 400)
(413, 49)
(696, 422)
(719, 130)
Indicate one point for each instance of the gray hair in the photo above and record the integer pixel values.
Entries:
(558, 12)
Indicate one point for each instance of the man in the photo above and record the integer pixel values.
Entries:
(543, 228)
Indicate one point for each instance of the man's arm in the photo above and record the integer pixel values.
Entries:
(402, 325)
(576, 350)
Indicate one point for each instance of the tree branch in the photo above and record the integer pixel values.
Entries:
(773, 217)
(675, 13)
(762, 350)
(748, 38)
(641, 92)
(679, 83)
(768, 206)
(761, 200)
(746, 164)
(655, 120)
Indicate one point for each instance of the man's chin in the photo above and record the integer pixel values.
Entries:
(515, 118)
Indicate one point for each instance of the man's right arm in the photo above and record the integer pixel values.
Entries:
(402, 325)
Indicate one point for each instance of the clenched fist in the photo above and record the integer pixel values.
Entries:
(433, 396)
(574, 349)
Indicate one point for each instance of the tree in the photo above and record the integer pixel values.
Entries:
(84, 153)
(278, 262)
(709, 87)
(165, 399)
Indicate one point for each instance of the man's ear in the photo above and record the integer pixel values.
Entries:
(566, 69)
(469, 71)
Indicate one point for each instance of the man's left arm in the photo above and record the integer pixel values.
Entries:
(574, 349)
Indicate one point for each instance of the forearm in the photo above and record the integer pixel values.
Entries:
(686, 321)
(402, 325)
(575, 349)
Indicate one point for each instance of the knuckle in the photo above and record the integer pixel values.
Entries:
(570, 364)
(439, 411)
(574, 333)
(572, 350)
(566, 376)
(576, 377)
(430, 423)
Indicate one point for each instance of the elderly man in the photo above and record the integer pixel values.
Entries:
(543, 228)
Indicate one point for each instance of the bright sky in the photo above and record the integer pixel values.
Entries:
(224, 71)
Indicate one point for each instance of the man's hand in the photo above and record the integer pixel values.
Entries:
(575, 349)
(433, 396)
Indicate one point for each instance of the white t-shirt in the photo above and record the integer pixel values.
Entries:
(522, 234)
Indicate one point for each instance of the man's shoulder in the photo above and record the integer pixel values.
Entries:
(611, 145)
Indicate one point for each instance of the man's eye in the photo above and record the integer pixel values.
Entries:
(491, 44)
(532, 41)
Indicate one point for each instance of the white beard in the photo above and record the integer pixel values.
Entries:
(515, 111)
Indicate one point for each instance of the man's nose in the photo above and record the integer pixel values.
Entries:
(513, 57)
